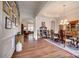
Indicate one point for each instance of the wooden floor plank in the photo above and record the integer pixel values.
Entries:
(41, 49)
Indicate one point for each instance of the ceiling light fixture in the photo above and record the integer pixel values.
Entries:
(64, 21)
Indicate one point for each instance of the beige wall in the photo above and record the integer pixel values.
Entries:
(37, 25)
(71, 15)
(7, 39)
(41, 19)
(0, 29)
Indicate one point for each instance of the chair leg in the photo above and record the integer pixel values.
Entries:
(64, 43)
(76, 44)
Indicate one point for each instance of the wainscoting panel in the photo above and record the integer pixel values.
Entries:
(8, 46)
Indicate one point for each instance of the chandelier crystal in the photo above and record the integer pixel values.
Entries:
(64, 21)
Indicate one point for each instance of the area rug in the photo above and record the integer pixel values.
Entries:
(72, 50)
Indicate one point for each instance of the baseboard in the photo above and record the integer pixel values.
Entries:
(9, 55)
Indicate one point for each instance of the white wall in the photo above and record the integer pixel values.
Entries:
(37, 25)
(0, 28)
(0, 18)
(48, 24)
(57, 21)
(71, 15)
(41, 19)
(8, 37)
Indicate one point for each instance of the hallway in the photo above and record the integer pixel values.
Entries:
(42, 49)
(23, 23)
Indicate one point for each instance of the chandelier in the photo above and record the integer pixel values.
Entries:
(64, 21)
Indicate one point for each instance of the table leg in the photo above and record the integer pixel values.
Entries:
(77, 44)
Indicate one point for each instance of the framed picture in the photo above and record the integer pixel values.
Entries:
(8, 23)
(12, 18)
(15, 20)
(43, 23)
(13, 25)
(14, 8)
(10, 3)
(6, 8)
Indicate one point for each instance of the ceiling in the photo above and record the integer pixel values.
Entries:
(56, 9)
(31, 9)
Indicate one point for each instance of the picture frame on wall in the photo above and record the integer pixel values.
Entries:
(12, 18)
(10, 3)
(15, 21)
(6, 8)
(13, 25)
(8, 23)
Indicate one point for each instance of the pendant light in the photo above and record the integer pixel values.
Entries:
(64, 21)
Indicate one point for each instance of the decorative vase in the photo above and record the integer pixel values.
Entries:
(19, 46)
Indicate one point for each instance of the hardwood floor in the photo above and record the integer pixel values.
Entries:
(41, 49)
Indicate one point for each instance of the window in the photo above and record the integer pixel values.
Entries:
(30, 27)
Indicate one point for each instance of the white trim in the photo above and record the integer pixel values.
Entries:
(9, 36)
(9, 55)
